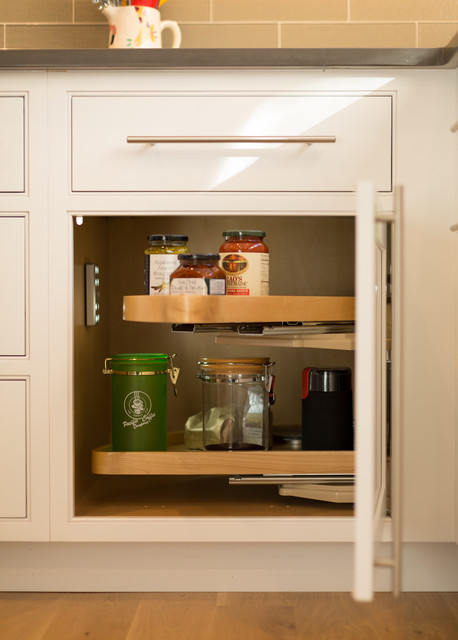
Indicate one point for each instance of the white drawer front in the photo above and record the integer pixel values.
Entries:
(12, 285)
(13, 458)
(12, 152)
(102, 160)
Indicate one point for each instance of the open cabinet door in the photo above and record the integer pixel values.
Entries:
(377, 388)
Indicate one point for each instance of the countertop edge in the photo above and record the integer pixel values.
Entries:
(138, 59)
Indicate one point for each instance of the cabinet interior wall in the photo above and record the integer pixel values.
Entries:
(309, 255)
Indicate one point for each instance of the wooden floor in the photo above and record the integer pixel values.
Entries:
(226, 616)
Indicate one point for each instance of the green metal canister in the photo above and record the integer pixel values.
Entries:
(139, 400)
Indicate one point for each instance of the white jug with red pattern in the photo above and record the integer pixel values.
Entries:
(138, 27)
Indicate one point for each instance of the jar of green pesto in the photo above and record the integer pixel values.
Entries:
(161, 259)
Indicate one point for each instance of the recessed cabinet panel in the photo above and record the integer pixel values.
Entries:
(13, 455)
(303, 143)
(12, 285)
(12, 144)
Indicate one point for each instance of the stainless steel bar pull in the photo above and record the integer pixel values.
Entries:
(230, 139)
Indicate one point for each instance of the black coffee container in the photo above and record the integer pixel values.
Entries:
(327, 409)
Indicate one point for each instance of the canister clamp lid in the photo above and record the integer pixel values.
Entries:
(238, 370)
(171, 370)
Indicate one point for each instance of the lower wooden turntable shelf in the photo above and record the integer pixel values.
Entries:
(183, 462)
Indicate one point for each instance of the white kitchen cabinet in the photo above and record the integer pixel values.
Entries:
(24, 415)
(121, 193)
(123, 205)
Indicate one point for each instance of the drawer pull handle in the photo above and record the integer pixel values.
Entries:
(231, 139)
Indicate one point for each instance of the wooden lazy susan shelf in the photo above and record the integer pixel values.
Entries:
(234, 309)
(108, 462)
(230, 310)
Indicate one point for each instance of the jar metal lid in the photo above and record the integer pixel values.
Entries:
(252, 232)
(167, 238)
(198, 256)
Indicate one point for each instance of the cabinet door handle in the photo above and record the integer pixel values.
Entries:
(231, 139)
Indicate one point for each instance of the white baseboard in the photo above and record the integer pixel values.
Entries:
(124, 567)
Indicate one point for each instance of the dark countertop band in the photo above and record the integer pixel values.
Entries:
(79, 59)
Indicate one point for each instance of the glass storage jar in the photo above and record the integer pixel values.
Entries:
(235, 403)
(245, 261)
(161, 259)
(198, 274)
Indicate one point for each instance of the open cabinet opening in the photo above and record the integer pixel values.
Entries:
(309, 256)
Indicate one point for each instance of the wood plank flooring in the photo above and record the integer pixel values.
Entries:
(226, 616)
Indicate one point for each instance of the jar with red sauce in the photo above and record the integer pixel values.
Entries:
(198, 274)
(244, 258)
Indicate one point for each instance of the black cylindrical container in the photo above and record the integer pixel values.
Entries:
(327, 410)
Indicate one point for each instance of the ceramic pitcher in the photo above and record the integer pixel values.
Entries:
(138, 27)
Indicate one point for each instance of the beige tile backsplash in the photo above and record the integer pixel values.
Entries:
(77, 24)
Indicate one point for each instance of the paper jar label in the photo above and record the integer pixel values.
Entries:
(247, 274)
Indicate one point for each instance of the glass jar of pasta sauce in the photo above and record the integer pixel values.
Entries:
(198, 274)
(161, 258)
(244, 258)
